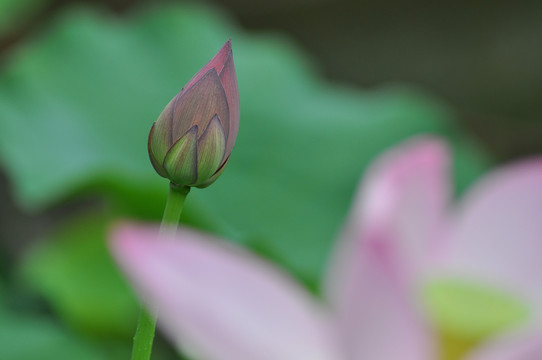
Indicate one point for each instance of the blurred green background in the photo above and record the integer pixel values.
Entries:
(325, 86)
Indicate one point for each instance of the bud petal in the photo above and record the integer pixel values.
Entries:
(181, 160)
(197, 105)
(229, 83)
(211, 148)
(156, 164)
(160, 139)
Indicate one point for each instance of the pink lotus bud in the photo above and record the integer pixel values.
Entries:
(192, 140)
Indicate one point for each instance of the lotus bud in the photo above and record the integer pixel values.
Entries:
(191, 142)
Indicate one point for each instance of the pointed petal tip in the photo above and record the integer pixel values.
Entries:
(124, 230)
(121, 239)
(418, 162)
(424, 159)
(224, 52)
(227, 45)
(424, 149)
(217, 62)
(221, 58)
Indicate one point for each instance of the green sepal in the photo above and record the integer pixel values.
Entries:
(211, 147)
(215, 176)
(181, 160)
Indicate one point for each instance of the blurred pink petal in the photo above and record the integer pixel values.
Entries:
(393, 228)
(218, 301)
(403, 197)
(225, 304)
(520, 346)
(497, 236)
(377, 316)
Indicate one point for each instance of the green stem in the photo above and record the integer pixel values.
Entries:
(174, 206)
(146, 324)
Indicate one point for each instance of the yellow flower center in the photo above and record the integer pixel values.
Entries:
(466, 314)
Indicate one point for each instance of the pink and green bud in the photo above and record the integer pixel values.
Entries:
(191, 142)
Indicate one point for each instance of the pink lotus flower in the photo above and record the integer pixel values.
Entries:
(219, 302)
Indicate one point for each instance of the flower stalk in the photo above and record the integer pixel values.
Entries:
(144, 336)
(146, 324)
(174, 207)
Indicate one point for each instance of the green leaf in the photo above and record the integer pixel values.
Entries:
(24, 338)
(76, 107)
(14, 13)
(74, 271)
